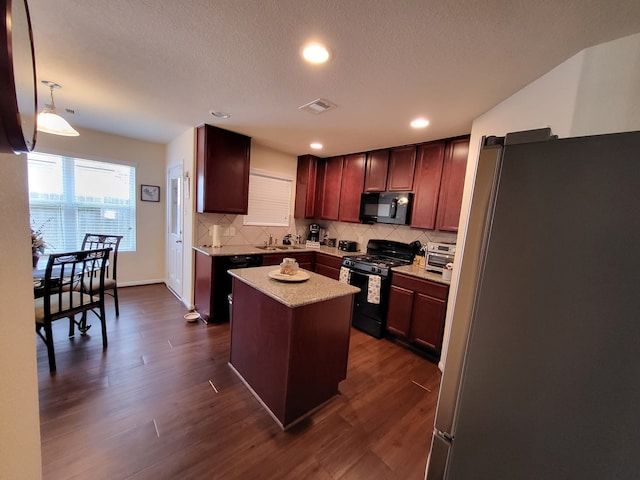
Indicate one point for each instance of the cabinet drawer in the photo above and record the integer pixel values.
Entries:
(328, 271)
(426, 287)
(276, 258)
(328, 260)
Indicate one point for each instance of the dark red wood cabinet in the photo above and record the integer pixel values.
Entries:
(375, 179)
(351, 187)
(203, 284)
(331, 178)
(222, 171)
(452, 184)
(417, 309)
(402, 163)
(328, 265)
(306, 190)
(304, 259)
(427, 185)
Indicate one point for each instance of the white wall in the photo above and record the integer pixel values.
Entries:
(147, 263)
(20, 454)
(608, 96)
(596, 91)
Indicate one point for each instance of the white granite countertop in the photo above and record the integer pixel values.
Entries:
(231, 250)
(420, 272)
(293, 294)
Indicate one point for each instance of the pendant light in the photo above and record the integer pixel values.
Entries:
(50, 122)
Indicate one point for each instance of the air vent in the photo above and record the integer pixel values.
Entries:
(319, 105)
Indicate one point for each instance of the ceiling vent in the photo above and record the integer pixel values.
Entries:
(319, 105)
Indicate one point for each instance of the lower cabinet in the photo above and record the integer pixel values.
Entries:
(304, 259)
(328, 265)
(417, 310)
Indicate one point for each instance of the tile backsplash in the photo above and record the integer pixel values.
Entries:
(235, 233)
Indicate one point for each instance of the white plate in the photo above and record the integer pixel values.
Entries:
(299, 276)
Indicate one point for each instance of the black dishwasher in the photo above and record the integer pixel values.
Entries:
(222, 282)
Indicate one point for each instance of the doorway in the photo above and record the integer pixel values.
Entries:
(174, 230)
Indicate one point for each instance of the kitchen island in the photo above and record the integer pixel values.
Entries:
(290, 340)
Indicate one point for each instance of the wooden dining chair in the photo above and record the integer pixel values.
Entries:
(92, 241)
(66, 295)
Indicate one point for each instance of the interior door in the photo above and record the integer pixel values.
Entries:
(174, 231)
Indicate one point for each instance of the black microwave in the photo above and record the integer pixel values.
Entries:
(386, 207)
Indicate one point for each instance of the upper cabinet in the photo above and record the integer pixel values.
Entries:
(329, 189)
(440, 171)
(351, 188)
(306, 187)
(330, 179)
(452, 184)
(222, 171)
(402, 163)
(375, 179)
(427, 185)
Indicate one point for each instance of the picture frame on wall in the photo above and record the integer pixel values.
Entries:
(149, 193)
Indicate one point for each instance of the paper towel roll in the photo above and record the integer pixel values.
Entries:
(216, 236)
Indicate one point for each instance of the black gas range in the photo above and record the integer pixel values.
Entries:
(372, 274)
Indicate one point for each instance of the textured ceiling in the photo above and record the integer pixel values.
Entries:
(151, 69)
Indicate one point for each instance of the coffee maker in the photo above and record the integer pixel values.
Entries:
(314, 233)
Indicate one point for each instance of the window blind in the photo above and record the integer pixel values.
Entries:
(269, 200)
(69, 197)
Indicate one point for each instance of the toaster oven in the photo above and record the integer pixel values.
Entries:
(438, 255)
(347, 246)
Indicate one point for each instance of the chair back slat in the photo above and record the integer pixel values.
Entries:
(96, 240)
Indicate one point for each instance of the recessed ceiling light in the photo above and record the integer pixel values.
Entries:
(419, 123)
(218, 114)
(316, 146)
(315, 53)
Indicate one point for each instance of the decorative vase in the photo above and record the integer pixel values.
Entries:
(36, 257)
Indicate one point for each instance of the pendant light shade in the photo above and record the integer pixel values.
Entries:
(50, 122)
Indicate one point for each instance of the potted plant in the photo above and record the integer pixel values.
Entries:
(37, 245)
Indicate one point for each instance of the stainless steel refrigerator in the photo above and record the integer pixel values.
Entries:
(542, 373)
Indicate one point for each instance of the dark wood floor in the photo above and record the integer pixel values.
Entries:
(144, 408)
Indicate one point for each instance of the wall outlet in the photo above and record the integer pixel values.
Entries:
(231, 232)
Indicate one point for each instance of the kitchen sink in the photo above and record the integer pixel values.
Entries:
(265, 247)
(279, 247)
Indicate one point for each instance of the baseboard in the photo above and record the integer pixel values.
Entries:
(139, 283)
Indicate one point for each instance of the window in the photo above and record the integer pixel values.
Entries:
(69, 197)
(269, 200)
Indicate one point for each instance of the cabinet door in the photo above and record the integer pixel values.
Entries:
(399, 313)
(331, 183)
(328, 265)
(427, 321)
(222, 171)
(306, 187)
(328, 271)
(351, 188)
(402, 165)
(427, 185)
(452, 184)
(203, 284)
(375, 179)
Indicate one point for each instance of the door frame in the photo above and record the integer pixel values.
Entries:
(175, 172)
